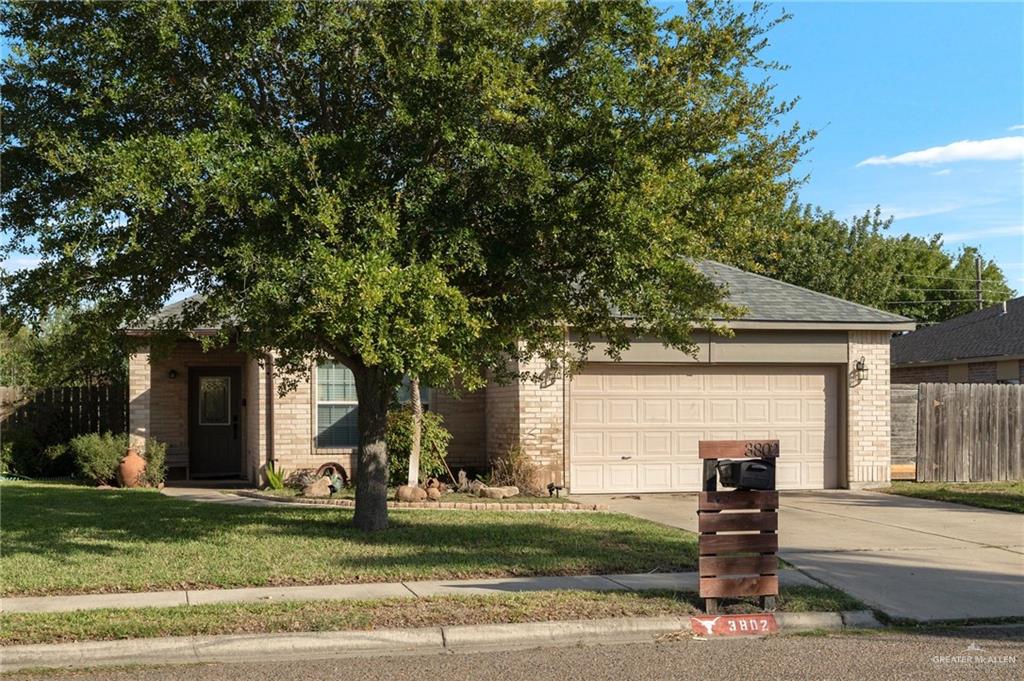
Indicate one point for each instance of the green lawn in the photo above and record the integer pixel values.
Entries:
(249, 618)
(69, 539)
(1001, 496)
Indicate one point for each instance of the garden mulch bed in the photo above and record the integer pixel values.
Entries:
(563, 507)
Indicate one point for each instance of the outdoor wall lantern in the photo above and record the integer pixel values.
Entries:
(172, 374)
(862, 370)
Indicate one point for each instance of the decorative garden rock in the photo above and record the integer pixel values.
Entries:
(319, 488)
(407, 493)
(131, 468)
(497, 492)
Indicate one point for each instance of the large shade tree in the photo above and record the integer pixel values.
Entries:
(409, 188)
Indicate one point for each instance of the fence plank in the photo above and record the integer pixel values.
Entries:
(970, 432)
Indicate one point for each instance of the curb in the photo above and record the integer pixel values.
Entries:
(335, 644)
(433, 505)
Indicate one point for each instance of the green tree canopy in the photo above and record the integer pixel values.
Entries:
(860, 260)
(423, 188)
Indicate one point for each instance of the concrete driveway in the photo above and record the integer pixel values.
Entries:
(911, 558)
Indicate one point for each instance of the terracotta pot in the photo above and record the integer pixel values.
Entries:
(130, 471)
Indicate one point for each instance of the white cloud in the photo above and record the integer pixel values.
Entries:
(1015, 127)
(1005, 230)
(998, 149)
(21, 262)
(944, 171)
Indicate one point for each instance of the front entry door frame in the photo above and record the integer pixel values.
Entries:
(215, 430)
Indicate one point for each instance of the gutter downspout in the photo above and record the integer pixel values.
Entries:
(269, 368)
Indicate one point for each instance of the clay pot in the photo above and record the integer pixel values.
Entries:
(130, 471)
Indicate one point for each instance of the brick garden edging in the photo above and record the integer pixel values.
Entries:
(435, 505)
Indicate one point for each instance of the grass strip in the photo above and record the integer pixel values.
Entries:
(295, 616)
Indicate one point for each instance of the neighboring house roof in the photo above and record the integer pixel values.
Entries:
(768, 302)
(983, 334)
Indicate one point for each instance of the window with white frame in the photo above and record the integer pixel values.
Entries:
(337, 417)
(337, 408)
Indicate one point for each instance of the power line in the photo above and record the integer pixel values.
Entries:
(932, 302)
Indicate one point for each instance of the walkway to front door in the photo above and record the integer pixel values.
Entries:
(924, 560)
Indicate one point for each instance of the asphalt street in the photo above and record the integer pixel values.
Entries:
(971, 654)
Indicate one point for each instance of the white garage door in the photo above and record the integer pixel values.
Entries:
(635, 428)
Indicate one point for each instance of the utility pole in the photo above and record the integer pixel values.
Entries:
(977, 282)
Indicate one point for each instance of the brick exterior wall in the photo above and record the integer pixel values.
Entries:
(501, 417)
(138, 397)
(981, 372)
(465, 418)
(868, 428)
(933, 374)
(542, 420)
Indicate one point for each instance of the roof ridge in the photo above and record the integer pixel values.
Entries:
(895, 317)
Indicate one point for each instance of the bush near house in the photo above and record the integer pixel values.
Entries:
(97, 455)
(434, 441)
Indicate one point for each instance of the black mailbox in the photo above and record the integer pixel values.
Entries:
(749, 474)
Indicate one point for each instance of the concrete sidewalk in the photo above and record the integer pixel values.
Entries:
(675, 581)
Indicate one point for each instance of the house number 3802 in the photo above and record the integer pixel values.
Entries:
(753, 624)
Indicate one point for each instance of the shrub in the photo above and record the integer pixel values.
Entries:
(97, 455)
(275, 478)
(515, 467)
(6, 458)
(156, 466)
(434, 439)
(24, 454)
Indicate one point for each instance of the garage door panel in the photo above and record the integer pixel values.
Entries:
(656, 477)
(621, 411)
(588, 445)
(788, 474)
(588, 478)
(636, 428)
(755, 411)
(786, 410)
(619, 444)
(656, 383)
(622, 477)
(723, 411)
(656, 444)
(656, 411)
(587, 411)
(688, 476)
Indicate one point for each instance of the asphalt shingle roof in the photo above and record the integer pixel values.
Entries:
(765, 299)
(771, 300)
(983, 333)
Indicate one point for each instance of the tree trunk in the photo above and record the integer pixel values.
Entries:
(375, 389)
(417, 431)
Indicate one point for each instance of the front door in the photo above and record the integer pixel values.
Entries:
(214, 422)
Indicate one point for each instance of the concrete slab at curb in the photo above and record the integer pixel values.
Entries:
(486, 636)
(299, 593)
(491, 587)
(797, 621)
(322, 645)
(150, 599)
(860, 619)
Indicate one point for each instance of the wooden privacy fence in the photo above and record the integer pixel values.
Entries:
(970, 432)
(68, 411)
(903, 403)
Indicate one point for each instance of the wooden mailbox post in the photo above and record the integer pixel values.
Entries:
(735, 565)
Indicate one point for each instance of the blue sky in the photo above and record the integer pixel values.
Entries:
(879, 80)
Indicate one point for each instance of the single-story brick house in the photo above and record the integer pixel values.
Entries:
(805, 368)
(985, 346)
